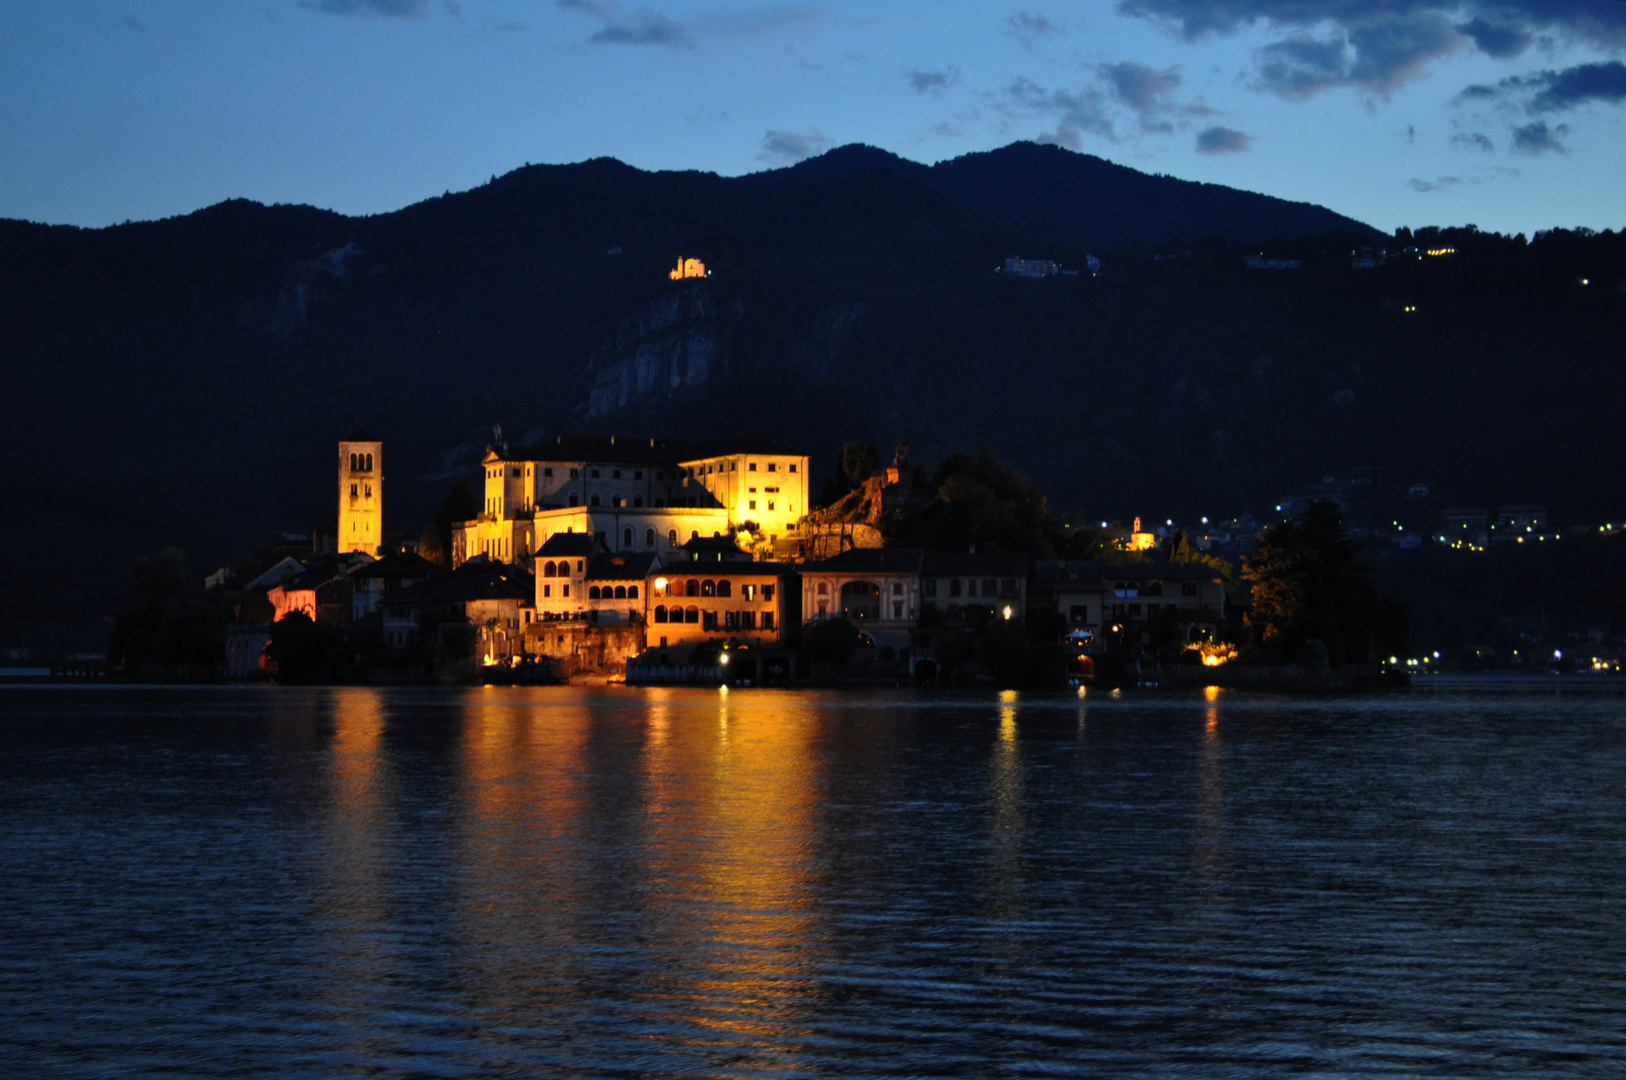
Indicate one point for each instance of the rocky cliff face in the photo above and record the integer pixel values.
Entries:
(672, 344)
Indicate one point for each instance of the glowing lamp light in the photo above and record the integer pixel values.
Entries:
(723, 659)
(1007, 611)
(660, 583)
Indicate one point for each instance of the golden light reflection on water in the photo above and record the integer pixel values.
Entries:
(705, 839)
(1010, 825)
(1213, 863)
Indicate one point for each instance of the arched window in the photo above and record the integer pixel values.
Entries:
(824, 588)
(694, 535)
(691, 614)
(725, 588)
(550, 570)
(691, 588)
(649, 538)
(626, 537)
(660, 612)
(592, 592)
(369, 463)
(615, 500)
(632, 592)
(352, 463)
(575, 500)
(620, 592)
(671, 537)
(708, 588)
(593, 501)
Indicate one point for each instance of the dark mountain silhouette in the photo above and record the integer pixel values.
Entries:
(184, 381)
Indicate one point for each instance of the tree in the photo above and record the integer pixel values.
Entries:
(859, 461)
(979, 500)
(458, 505)
(300, 648)
(1307, 584)
(172, 620)
(830, 640)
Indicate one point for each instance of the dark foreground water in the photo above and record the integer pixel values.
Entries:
(555, 882)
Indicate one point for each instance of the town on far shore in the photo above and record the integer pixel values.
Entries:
(659, 561)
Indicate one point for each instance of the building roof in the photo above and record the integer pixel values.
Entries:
(974, 564)
(568, 546)
(730, 569)
(870, 561)
(477, 579)
(636, 449)
(401, 564)
(607, 567)
(1057, 572)
(713, 549)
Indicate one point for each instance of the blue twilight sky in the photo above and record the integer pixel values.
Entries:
(1503, 113)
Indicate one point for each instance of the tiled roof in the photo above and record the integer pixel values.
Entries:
(568, 545)
(621, 567)
(870, 561)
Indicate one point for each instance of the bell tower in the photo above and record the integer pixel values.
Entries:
(361, 494)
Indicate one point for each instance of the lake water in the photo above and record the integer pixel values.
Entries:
(613, 882)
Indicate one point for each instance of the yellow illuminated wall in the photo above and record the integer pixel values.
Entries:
(361, 497)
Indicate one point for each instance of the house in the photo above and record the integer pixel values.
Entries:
(974, 587)
(638, 494)
(579, 579)
(492, 597)
(736, 600)
(389, 574)
(1097, 596)
(1464, 519)
(323, 591)
(878, 589)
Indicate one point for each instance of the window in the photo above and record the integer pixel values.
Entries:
(691, 588)
(733, 466)
(767, 592)
(748, 591)
(772, 467)
(637, 500)
(990, 587)
(1188, 589)
(649, 538)
(750, 491)
(353, 492)
(748, 620)
(1134, 609)
(708, 588)
(752, 504)
(660, 614)
(564, 590)
(548, 471)
(638, 474)
(514, 472)
(671, 537)
(620, 592)
(1080, 614)
(595, 474)
(581, 564)
(660, 504)
(575, 500)
(725, 588)
(573, 473)
(615, 475)
(550, 569)
(752, 467)
(708, 620)
(897, 609)
(660, 475)
(593, 500)
(770, 504)
(632, 592)
(592, 592)
(626, 537)
(928, 587)
(824, 588)
(793, 468)
(954, 586)
(691, 614)
(767, 619)
(547, 591)
(897, 588)
(694, 534)
(1007, 586)
(731, 620)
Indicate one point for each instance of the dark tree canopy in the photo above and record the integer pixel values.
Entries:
(1308, 585)
(172, 620)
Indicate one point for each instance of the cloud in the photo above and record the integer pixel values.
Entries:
(1076, 114)
(1476, 141)
(1223, 140)
(1144, 89)
(1537, 138)
(1425, 186)
(789, 147)
(1578, 85)
(1497, 39)
(411, 9)
(643, 27)
(1376, 58)
(1376, 45)
(1030, 28)
(933, 82)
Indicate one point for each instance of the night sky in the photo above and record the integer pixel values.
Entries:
(1507, 114)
